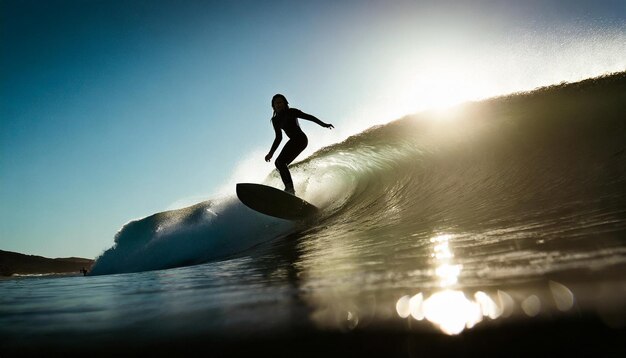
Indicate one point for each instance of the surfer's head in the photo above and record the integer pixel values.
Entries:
(279, 103)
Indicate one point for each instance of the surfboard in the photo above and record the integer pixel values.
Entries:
(274, 202)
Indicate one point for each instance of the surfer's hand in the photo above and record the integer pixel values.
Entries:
(328, 125)
(268, 157)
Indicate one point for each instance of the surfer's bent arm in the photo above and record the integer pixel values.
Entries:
(277, 140)
(314, 119)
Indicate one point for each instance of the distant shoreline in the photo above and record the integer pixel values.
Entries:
(13, 263)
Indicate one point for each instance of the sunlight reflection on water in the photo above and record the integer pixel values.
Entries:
(452, 311)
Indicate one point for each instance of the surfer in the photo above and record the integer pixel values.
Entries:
(286, 119)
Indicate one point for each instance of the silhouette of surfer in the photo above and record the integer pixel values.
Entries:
(84, 271)
(286, 119)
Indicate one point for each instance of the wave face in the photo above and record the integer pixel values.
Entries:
(501, 176)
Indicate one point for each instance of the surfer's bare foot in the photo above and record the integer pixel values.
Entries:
(290, 191)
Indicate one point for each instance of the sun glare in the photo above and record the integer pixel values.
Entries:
(436, 77)
(443, 88)
(437, 88)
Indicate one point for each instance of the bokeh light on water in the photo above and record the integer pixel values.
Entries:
(452, 310)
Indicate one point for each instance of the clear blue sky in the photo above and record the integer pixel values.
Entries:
(114, 110)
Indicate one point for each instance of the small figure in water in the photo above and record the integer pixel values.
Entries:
(286, 119)
(84, 271)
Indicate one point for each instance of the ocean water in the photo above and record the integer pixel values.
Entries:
(441, 223)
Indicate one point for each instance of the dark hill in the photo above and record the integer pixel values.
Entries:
(16, 263)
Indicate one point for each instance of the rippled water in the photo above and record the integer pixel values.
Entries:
(328, 283)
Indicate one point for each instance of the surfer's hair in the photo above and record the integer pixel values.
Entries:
(277, 96)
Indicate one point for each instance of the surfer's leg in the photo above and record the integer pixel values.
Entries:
(285, 176)
(290, 151)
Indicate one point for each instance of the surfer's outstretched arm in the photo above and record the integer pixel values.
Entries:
(279, 137)
(314, 119)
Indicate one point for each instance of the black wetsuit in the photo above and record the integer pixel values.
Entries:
(288, 121)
